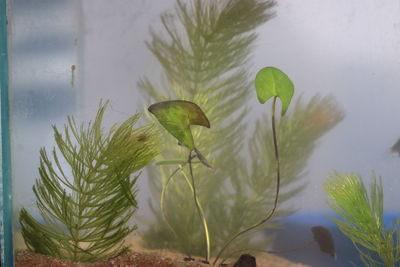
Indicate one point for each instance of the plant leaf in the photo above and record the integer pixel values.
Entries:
(176, 116)
(270, 82)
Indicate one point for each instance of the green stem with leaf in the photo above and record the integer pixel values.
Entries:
(278, 179)
(176, 116)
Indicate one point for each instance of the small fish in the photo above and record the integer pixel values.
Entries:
(324, 239)
(396, 147)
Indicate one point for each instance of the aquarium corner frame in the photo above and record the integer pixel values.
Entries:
(7, 256)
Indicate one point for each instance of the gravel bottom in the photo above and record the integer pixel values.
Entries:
(26, 258)
(140, 257)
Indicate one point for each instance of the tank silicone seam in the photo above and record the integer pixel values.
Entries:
(8, 257)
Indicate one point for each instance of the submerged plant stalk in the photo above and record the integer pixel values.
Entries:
(162, 201)
(199, 209)
(164, 191)
(278, 179)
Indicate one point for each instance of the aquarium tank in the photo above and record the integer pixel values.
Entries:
(199, 133)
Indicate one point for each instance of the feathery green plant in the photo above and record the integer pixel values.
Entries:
(362, 219)
(204, 51)
(86, 195)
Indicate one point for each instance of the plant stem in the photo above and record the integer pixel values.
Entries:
(278, 181)
(278, 169)
(199, 209)
(164, 192)
(191, 188)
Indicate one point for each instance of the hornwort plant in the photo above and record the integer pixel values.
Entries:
(362, 219)
(85, 192)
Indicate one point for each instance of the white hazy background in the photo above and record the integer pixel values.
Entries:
(349, 49)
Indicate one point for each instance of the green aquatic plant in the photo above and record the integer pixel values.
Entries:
(269, 82)
(86, 194)
(204, 50)
(177, 116)
(204, 60)
(362, 219)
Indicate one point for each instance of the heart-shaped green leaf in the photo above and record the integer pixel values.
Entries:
(271, 82)
(176, 116)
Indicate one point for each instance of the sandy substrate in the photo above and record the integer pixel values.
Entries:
(139, 257)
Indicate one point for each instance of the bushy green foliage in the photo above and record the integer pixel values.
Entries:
(85, 194)
(362, 219)
(204, 51)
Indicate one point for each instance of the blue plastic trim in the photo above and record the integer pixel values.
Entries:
(8, 250)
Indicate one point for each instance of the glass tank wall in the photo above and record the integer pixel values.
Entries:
(43, 51)
(204, 131)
